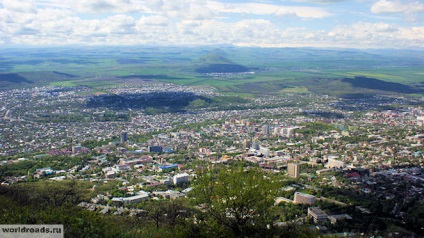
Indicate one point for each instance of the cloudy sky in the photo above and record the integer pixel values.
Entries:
(265, 23)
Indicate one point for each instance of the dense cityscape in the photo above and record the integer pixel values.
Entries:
(335, 161)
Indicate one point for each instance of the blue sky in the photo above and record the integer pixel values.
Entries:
(264, 23)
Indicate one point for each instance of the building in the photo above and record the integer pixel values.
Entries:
(420, 121)
(335, 218)
(265, 129)
(247, 144)
(76, 149)
(287, 132)
(124, 137)
(255, 145)
(110, 174)
(180, 178)
(303, 198)
(334, 163)
(265, 151)
(317, 214)
(167, 168)
(130, 200)
(39, 173)
(154, 149)
(293, 170)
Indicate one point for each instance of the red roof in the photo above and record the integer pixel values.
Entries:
(353, 174)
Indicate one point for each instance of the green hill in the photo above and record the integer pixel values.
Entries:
(215, 63)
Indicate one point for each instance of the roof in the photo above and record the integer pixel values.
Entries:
(305, 194)
(317, 212)
(353, 174)
(169, 166)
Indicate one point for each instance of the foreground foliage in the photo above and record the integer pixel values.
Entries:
(249, 212)
(238, 202)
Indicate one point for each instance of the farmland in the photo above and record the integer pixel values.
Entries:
(257, 71)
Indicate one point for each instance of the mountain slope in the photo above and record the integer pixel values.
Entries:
(215, 63)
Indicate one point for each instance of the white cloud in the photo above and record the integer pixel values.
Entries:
(153, 21)
(181, 9)
(406, 7)
(209, 32)
(105, 6)
(268, 9)
(377, 35)
(109, 27)
(197, 22)
(189, 9)
(415, 34)
(320, 1)
(19, 5)
(410, 9)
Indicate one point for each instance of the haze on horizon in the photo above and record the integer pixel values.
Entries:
(262, 23)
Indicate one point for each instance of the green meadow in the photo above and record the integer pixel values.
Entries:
(275, 70)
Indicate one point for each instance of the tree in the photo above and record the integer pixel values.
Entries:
(237, 202)
(3, 170)
(156, 212)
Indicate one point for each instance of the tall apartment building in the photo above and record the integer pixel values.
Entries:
(265, 129)
(293, 169)
(287, 132)
(124, 136)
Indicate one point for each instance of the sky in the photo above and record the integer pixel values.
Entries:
(260, 23)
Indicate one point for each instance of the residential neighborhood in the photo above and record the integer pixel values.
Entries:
(314, 149)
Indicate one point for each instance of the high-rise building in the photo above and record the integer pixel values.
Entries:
(287, 132)
(293, 169)
(246, 144)
(124, 136)
(265, 129)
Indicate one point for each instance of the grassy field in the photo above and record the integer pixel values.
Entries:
(283, 70)
(400, 75)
